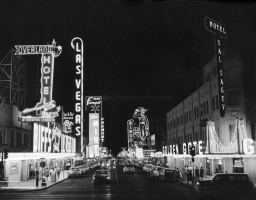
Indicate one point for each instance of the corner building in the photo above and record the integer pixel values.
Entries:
(223, 143)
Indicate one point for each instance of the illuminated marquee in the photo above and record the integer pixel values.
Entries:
(45, 110)
(174, 149)
(77, 44)
(219, 34)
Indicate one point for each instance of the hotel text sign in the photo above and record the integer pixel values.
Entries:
(45, 110)
(219, 35)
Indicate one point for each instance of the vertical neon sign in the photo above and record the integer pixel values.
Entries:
(219, 35)
(77, 45)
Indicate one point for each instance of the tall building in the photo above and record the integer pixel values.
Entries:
(222, 143)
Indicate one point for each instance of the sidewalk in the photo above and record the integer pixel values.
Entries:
(189, 183)
(31, 184)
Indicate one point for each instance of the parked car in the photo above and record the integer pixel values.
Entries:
(74, 172)
(227, 185)
(168, 175)
(129, 168)
(156, 171)
(139, 165)
(101, 176)
(148, 167)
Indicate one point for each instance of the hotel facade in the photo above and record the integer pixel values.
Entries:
(223, 143)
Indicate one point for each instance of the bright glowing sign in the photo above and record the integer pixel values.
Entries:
(45, 110)
(94, 127)
(130, 133)
(95, 103)
(68, 122)
(219, 34)
(248, 146)
(77, 44)
(38, 49)
(102, 131)
(143, 124)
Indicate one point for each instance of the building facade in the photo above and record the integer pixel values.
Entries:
(223, 144)
(29, 144)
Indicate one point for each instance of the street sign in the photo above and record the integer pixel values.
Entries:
(42, 164)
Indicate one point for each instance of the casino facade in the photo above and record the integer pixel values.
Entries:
(224, 143)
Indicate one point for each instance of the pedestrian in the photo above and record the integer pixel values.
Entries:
(51, 171)
(46, 173)
(226, 172)
(186, 171)
(201, 173)
(189, 176)
(216, 171)
(180, 174)
(197, 173)
(58, 171)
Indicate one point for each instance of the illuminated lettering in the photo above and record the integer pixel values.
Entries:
(46, 90)
(78, 83)
(248, 146)
(78, 107)
(219, 35)
(78, 119)
(78, 95)
(78, 68)
(95, 123)
(78, 58)
(78, 46)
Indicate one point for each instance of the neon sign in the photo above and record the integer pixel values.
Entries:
(45, 110)
(248, 146)
(143, 124)
(95, 103)
(130, 133)
(219, 34)
(77, 44)
(94, 127)
(68, 122)
(102, 131)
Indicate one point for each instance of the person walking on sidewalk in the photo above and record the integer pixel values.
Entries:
(46, 173)
(51, 171)
(197, 174)
(201, 173)
(186, 171)
(189, 176)
(58, 171)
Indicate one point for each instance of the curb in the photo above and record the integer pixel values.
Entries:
(187, 185)
(25, 190)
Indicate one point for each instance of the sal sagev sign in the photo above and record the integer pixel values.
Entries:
(219, 35)
(45, 110)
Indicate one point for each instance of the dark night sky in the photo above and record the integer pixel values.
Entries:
(132, 48)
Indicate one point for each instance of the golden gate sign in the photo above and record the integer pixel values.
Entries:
(45, 110)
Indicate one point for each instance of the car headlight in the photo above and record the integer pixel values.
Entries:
(108, 177)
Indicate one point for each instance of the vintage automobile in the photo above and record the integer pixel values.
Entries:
(129, 168)
(168, 175)
(156, 171)
(101, 176)
(227, 185)
(148, 167)
(74, 172)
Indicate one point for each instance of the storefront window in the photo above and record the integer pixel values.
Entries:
(238, 165)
